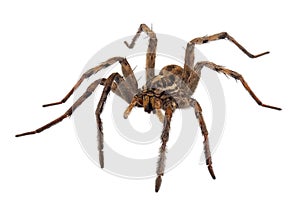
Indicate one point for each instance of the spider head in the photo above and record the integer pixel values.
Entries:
(148, 103)
(149, 100)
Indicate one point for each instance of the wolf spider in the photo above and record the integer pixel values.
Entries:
(170, 90)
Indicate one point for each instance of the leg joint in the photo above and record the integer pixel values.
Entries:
(236, 75)
(223, 35)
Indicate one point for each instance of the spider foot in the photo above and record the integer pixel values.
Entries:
(25, 134)
(259, 55)
(101, 159)
(129, 108)
(211, 171)
(271, 107)
(126, 114)
(52, 104)
(130, 46)
(158, 183)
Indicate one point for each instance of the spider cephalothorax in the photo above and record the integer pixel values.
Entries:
(171, 89)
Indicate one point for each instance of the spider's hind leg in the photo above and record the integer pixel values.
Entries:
(235, 75)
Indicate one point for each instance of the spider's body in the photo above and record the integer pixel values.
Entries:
(171, 89)
(170, 82)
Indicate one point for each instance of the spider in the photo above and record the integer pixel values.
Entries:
(171, 89)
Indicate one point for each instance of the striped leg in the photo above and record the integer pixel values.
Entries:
(233, 74)
(199, 116)
(151, 51)
(189, 76)
(131, 82)
(163, 149)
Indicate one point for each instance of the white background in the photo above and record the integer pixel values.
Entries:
(43, 48)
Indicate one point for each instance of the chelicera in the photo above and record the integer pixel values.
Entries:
(171, 89)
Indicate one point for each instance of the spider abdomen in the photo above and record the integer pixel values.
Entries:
(170, 81)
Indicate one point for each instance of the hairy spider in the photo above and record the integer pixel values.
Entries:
(171, 89)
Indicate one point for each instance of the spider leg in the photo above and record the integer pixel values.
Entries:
(159, 115)
(151, 51)
(162, 151)
(121, 88)
(237, 76)
(126, 70)
(130, 107)
(189, 55)
(69, 112)
(105, 92)
(199, 116)
(225, 35)
(189, 76)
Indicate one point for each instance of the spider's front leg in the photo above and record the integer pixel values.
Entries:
(188, 75)
(151, 51)
(150, 56)
(129, 83)
(199, 116)
(169, 107)
(107, 87)
(162, 151)
(70, 111)
(108, 83)
(161, 163)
